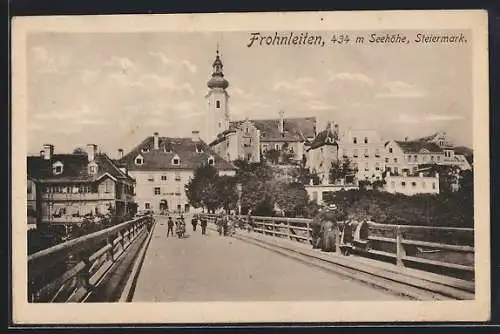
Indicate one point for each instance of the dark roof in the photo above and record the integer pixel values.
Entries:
(325, 137)
(417, 146)
(161, 159)
(295, 129)
(75, 168)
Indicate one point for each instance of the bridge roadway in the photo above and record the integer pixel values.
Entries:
(214, 268)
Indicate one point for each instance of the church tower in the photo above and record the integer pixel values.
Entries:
(217, 101)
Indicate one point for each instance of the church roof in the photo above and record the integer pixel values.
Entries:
(295, 129)
(191, 154)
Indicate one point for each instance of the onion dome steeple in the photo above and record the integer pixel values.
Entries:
(217, 80)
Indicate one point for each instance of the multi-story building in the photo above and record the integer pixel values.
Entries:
(163, 166)
(32, 198)
(412, 184)
(66, 188)
(250, 139)
(365, 149)
(322, 151)
(408, 155)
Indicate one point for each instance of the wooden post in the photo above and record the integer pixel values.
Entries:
(308, 233)
(289, 230)
(400, 250)
(337, 239)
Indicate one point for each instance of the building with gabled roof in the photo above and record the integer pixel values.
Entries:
(66, 188)
(163, 166)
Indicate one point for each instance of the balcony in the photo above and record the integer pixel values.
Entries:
(78, 196)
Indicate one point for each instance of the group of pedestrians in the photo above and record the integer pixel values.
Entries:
(180, 225)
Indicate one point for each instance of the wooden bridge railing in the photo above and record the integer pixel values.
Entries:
(444, 248)
(73, 270)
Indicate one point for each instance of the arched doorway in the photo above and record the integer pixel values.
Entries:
(163, 206)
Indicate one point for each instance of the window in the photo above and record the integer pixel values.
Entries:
(157, 191)
(139, 160)
(396, 170)
(176, 161)
(145, 150)
(438, 158)
(249, 156)
(366, 140)
(355, 140)
(57, 170)
(199, 149)
(386, 160)
(29, 188)
(177, 176)
(366, 166)
(147, 206)
(366, 153)
(377, 166)
(211, 161)
(414, 184)
(217, 104)
(377, 153)
(246, 129)
(355, 154)
(264, 148)
(107, 187)
(433, 185)
(151, 178)
(164, 178)
(415, 157)
(390, 149)
(395, 160)
(409, 158)
(403, 184)
(432, 158)
(277, 147)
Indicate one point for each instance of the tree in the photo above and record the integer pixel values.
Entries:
(257, 186)
(79, 150)
(202, 189)
(292, 198)
(227, 193)
(273, 156)
(340, 169)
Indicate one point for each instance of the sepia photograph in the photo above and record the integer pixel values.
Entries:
(297, 167)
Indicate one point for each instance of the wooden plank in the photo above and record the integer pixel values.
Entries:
(458, 248)
(100, 252)
(384, 239)
(63, 278)
(439, 263)
(379, 252)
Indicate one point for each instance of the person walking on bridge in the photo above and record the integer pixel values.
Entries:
(170, 225)
(203, 226)
(194, 222)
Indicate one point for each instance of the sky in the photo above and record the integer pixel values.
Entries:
(114, 89)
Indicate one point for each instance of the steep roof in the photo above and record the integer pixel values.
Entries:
(325, 137)
(75, 168)
(417, 146)
(294, 128)
(169, 147)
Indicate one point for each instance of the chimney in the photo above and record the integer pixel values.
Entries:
(195, 135)
(156, 142)
(48, 151)
(91, 151)
(120, 153)
(41, 153)
(420, 174)
(336, 131)
(281, 121)
(406, 138)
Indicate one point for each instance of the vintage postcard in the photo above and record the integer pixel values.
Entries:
(251, 167)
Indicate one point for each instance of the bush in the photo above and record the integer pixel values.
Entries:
(450, 209)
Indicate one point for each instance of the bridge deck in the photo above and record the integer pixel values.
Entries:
(214, 268)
